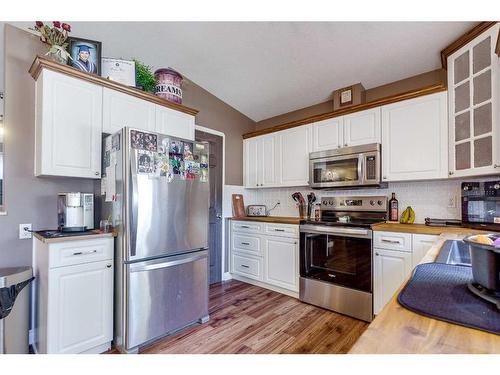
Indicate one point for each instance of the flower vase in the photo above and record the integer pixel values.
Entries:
(57, 54)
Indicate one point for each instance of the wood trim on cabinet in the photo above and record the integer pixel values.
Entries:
(43, 63)
(463, 40)
(432, 89)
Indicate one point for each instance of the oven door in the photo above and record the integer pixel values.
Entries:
(341, 256)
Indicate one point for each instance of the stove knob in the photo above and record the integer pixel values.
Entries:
(379, 203)
(466, 188)
(496, 187)
(332, 203)
(372, 202)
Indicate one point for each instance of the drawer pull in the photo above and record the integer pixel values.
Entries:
(244, 226)
(245, 266)
(279, 230)
(82, 253)
(108, 265)
(391, 241)
(245, 243)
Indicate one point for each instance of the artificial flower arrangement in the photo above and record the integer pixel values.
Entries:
(54, 36)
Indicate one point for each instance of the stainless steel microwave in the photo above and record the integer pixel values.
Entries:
(345, 167)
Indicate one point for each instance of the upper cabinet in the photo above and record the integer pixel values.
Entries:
(261, 161)
(68, 126)
(361, 128)
(415, 139)
(174, 123)
(295, 145)
(473, 88)
(74, 108)
(328, 134)
(120, 110)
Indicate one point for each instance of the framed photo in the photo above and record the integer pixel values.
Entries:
(85, 55)
(345, 96)
(118, 70)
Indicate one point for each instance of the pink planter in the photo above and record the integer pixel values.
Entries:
(168, 85)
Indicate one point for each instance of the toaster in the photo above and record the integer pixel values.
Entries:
(256, 210)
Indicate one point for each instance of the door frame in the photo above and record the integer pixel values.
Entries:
(225, 275)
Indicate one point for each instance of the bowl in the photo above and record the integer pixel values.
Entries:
(485, 261)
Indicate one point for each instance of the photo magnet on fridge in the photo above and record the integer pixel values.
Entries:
(162, 164)
(204, 161)
(137, 140)
(176, 164)
(116, 142)
(188, 151)
(192, 169)
(164, 146)
(176, 147)
(150, 142)
(145, 162)
(204, 175)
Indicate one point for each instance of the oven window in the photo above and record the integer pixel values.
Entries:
(483, 211)
(336, 170)
(346, 261)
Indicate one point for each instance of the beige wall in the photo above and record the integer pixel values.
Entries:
(407, 84)
(216, 114)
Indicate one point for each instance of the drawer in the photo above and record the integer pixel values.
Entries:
(246, 243)
(285, 230)
(248, 267)
(246, 227)
(79, 252)
(392, 241)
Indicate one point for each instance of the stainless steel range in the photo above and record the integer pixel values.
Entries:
(336, 255)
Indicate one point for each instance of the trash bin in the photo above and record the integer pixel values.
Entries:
(14, 309)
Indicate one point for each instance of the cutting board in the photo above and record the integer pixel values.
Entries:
(238, 206)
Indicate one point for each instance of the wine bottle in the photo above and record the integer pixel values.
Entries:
(393, 208)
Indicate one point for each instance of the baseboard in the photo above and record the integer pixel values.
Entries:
(266, 286)
(226, 276)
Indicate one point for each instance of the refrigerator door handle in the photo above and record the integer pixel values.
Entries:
(133, 207)
(171, 263)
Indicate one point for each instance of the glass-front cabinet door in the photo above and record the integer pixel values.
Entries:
(473, 89)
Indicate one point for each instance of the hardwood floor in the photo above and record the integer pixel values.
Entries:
(249, 319)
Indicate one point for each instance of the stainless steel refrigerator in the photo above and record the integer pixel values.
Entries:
(156, 192)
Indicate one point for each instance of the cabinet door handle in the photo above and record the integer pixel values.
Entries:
(244, 226)
(377, 254)
(450, 173)
(496, 166)
(279, 230)
(97, 173)
(245, 243)
(108, 266)
(390, 241)
(245, 266)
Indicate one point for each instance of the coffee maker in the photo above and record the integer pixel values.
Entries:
(75, 212)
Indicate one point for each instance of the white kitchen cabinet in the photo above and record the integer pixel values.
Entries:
(282, 262)
(261, 161)
(74, 296)
(295, 145)
(415, 139)
(362, 128)
(120, 110)
(421, 244)
(328, 134)
(266, 255)
(67, 127)
(391, 268)
(473, 89)
(174, 123)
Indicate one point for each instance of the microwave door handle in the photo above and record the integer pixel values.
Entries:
(361, 174)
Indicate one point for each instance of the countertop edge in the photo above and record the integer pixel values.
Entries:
(270, 219)
(72, 238)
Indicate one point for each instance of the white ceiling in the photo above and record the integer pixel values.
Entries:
(264, 69)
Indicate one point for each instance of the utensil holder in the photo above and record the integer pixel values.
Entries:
(302, 211)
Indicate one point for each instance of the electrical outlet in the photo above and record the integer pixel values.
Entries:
(452, 202)
(24, 231)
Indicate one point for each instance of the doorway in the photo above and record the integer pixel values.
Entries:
(215, 164)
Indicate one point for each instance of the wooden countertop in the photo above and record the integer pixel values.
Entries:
(94, 235)
(424, 229)
(398, 330)
(271, 219)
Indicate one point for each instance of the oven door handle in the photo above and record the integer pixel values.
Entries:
(346, 232)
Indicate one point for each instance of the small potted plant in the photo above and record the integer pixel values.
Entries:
(144, 77)
(55, 37)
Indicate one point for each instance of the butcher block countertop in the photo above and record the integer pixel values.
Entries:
(423, 229)
(270, 219)
(398, 330)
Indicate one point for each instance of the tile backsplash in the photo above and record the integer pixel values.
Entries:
(435, 199)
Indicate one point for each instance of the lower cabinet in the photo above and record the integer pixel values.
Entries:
(421, 244)
(391, 268)
(73, 296)
(270, 257)
(281, 262)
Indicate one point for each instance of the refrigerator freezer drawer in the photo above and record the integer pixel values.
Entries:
(166, 294)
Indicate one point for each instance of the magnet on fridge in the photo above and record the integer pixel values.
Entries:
(176, 163)
(137, 139)
(145, 162)
(116, 142)
(204, 175)
(170, 176)
(164, 146)
(150, 142)
(176, 147)
(188, 151)
(162, 164)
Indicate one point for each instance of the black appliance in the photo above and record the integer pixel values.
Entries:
(336, 255)
(481, 205)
